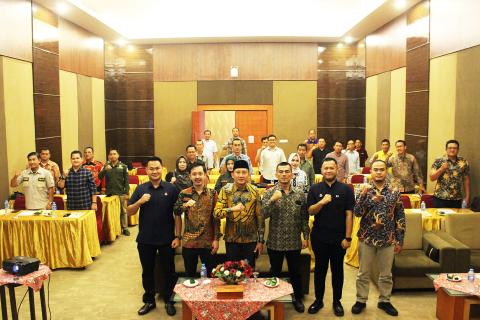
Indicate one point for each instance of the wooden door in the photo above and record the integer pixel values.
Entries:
(252, 123)
(198, 125)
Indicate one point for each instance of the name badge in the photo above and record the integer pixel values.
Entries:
(41, 179)
(25, 179)
(166, 194)
(337, 196)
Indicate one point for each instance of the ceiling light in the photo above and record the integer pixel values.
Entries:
(348, 39)
(400, 4)
(361, 45)
(62, 8)
(320, 61)
(130, 48)
(121, 42)
(34, 8)
(321, 49)
(340, 45)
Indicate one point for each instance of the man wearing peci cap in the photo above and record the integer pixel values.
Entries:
(239, 203)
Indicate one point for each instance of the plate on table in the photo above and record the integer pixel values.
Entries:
(190, 283)
(271, 282)
(454, 278)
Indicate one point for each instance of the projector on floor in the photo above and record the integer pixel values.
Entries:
(21, 266)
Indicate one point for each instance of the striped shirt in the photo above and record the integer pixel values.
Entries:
(80, 188)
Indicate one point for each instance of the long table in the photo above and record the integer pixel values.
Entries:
(59, 242)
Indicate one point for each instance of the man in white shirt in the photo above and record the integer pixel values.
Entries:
(270, 158)
(353, 158)
(210, 150)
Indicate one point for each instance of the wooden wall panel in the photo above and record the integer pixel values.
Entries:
(256, 61)
(383, 106)
(129, 101)
(46, 83)
(341, 92)
(417, 86)
(397, 104)
(235, 92)
(16, 29)
(454, 25)
(81, 52)
(45, 72)
(386, 47)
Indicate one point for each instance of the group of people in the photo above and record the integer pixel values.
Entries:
(286, 206)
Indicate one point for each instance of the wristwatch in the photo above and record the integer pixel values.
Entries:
(348, 239)
(178, 237)
(261, 241)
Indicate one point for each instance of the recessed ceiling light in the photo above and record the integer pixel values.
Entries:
(340, 45)
(348, 39)
(62, 8)
(121, 42)
(400, 4)
(321, 49)
(320, 61)
(130, 48)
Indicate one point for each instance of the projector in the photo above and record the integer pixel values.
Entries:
(21, 266)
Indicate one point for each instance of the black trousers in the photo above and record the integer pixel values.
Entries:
(241, 251)
(147, 254)
(441, 203)
(293, 262)
(190, 260)
(325, 253)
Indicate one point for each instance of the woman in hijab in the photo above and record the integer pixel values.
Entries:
(226, 177)
(181, 177)
(300, 179)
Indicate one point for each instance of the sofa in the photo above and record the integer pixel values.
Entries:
(411, 265)
(462, 232)
(262, 263)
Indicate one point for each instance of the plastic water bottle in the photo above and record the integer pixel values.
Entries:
(203, 271)
(54, 209)
(6, 206)
(471, 280)
(423, 206)
(464, 204)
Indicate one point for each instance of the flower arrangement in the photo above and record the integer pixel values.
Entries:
(233, 272)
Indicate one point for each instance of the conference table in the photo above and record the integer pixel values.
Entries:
(59, 241)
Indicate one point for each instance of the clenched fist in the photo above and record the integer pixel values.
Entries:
(145, 198)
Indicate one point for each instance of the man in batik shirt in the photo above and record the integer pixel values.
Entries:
(405, 170)
(380, 236)
(239, 203)
(451, 173)
(202, 230)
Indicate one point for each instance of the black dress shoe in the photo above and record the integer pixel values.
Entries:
(338, 309)
(170, 308)
(146, 308)
(358, 307)
(388, 308)
(298, 305)
(315, 306)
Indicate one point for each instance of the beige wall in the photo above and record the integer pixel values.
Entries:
(68, 115)
(397, 104)
(442, 104)
(467, 112)
(173, 106)
(294, 111)
(85, 118)
(17, 137)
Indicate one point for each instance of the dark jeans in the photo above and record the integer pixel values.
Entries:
(440, 203)
(325, 253)
(147, 255)
(293, 262)
(241, 251)
(190, 260)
